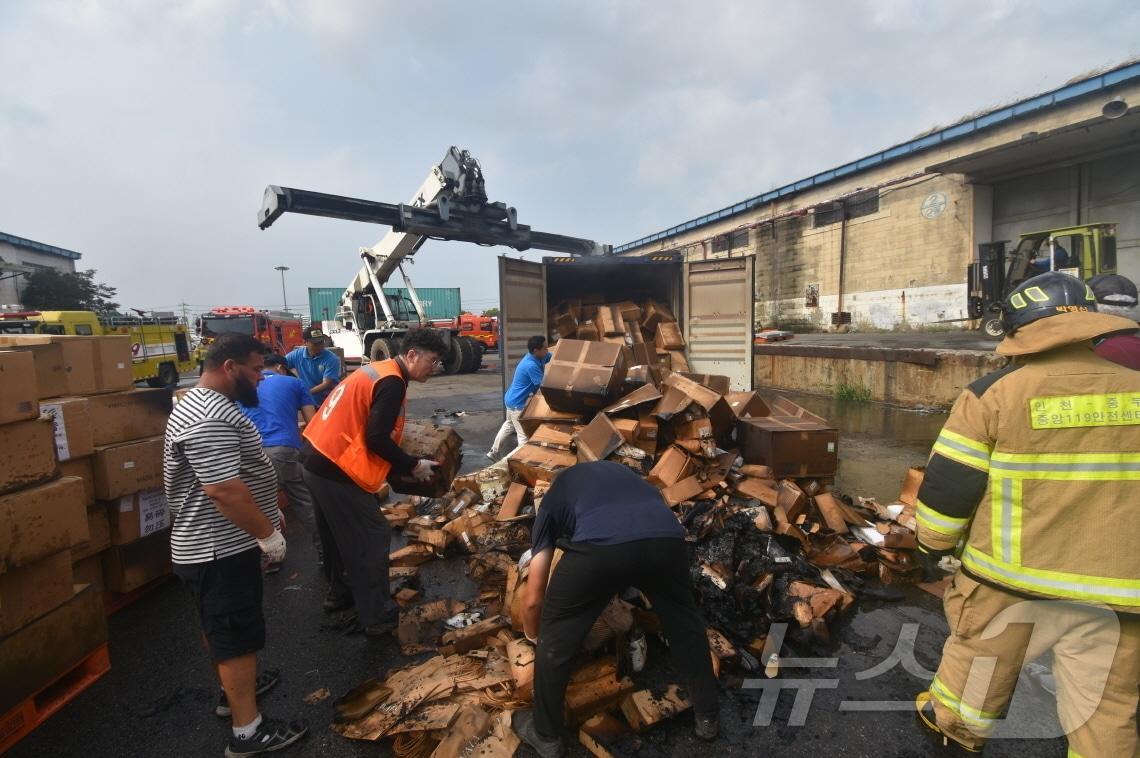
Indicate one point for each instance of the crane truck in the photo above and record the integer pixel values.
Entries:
(712, 299)
(452, 204)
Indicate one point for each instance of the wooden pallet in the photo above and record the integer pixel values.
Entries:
(39, 707)
(113, 602)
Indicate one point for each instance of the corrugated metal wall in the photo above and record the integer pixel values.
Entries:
(439, 302)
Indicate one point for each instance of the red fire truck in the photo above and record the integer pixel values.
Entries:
(279, 330)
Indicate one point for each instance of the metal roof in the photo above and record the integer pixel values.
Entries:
(987, 120)
(39, 247)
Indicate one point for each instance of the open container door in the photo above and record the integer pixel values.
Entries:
(718, 318)
(522, 310)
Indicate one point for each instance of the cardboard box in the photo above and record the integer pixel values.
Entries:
(27, 454)
(609, 321)
(587, 332)
(41, 521)
(538, 412)
(782, 406)
(439, 443)
(647, 430)
(630, 311)
(558, 436)
(532, 463)
(583, 376)
(133, 517)
(631, 403)
(747, 404)
(89, 571)
(47, 648)
(128, 567)
(64, 365)
(114, 366)
(669, 336)
(29, 592)
(18, 390)
(98, 534)
(129, 415)
(673, 466)
(598, 439)
(627, 427)
(714, 382)
(790, 446)
(655, 313)
(712, 402)
(566, 325)
(71, 422)
(513, 502)
(677, 360)
(84, 469)
(633, 335)
(128, 467)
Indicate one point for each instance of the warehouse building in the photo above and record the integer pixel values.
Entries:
(19, 257)
(885, 241)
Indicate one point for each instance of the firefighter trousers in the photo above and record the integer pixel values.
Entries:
(993, 633)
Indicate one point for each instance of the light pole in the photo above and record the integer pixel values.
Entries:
(284, 299)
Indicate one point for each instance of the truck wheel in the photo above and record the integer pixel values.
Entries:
(382, 349)
(992, 328)
(167, 376)
(453, 363)
(480, 348)
(470, 355)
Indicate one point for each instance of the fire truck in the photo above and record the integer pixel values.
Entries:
(279, 330)
(483, 329)
(160, 343)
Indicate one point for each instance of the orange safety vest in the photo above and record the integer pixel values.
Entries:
(339, 430)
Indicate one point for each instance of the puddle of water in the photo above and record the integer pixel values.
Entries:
(877, 443)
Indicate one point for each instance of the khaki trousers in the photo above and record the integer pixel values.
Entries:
(1096, 663)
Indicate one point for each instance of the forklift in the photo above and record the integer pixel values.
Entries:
(1081, 251)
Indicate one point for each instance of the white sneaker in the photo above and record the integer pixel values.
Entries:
(491, 455)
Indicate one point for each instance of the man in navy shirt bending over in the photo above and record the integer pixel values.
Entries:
(527, 380)
(615, 531)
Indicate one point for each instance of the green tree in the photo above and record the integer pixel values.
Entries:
(50, 290)
(491, 312)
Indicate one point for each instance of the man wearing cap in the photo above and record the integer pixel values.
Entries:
(1031, 483)
(316, 367)
(1116, 294)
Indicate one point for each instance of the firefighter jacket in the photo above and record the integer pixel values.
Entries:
(1034, 476)
(339, 430)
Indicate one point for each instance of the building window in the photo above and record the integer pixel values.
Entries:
(726, 243)
(720, 243)
(859, 204)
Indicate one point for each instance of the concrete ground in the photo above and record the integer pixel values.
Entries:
(159, 696)
(942, 340)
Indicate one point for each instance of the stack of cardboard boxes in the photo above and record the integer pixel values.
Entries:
(51, 620)
(647, 334)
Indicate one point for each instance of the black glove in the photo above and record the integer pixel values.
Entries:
(929, 560)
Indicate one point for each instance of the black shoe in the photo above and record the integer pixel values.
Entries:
(706, 728)
(270, 735)
(266, 681)
(947, 745)
(383, 628)
(546, 747)
(334, 603)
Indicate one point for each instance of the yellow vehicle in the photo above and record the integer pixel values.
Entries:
(160, 344)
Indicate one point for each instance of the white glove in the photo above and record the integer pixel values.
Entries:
(424, 470)
(273, 546)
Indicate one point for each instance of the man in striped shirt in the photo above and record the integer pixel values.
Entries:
(222, 491)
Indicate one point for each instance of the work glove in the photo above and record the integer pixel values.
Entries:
(424, 470)
(929, 560)
(273, 546)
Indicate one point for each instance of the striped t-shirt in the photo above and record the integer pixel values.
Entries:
(209, 441)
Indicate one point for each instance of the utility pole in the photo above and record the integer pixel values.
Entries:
(284, 299)
(185, 317)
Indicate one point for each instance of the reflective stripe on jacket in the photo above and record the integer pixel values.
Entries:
(1034, 479)
(339, 430)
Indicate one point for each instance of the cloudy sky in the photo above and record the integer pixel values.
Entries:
(142, 132)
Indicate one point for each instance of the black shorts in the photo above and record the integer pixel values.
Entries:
(227, 593)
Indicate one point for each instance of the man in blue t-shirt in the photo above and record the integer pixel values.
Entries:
(615, 531)
(316, 367)
(280, 397)
(527, 379)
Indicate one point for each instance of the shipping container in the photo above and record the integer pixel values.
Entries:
(438, 302)
(712, 300)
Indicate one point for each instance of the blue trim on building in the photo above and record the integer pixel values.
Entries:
(39, 247)
(1001, 115)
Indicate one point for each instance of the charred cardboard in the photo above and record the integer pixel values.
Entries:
(598, 439)
(538, 412)
(18, 390)
(583, 376)
(640, 396)
(713, 403)
(532, 463)
(747, 404)
(438, 443)
(28, 454)
(790, 446)
(513, 502)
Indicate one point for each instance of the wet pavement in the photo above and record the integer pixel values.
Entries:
(159, 696)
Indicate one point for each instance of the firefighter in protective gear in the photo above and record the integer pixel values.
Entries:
(1032, 482)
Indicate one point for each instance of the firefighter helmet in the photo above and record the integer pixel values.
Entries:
(1048, 294)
